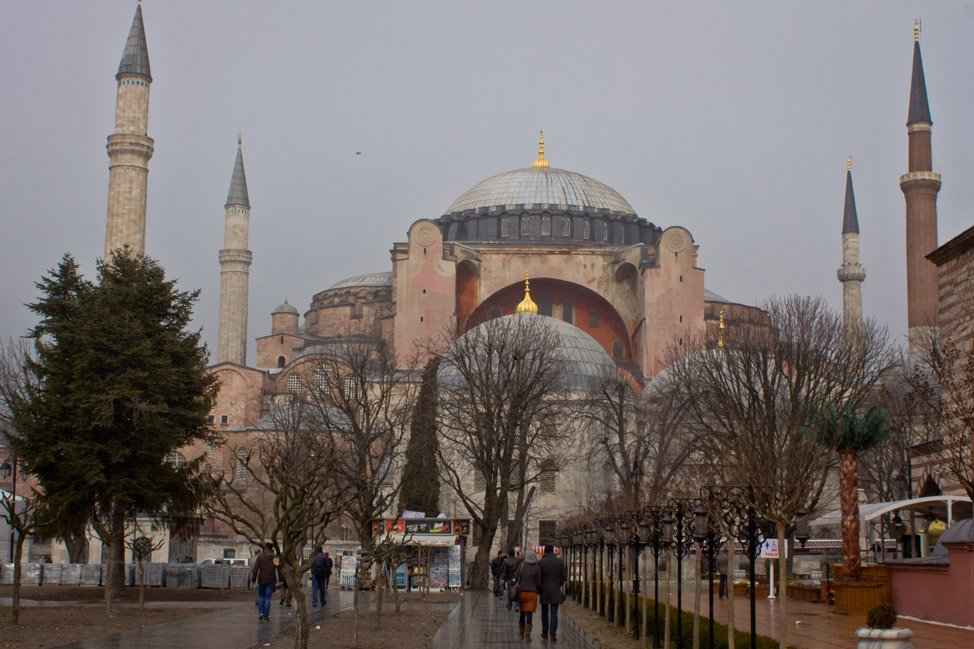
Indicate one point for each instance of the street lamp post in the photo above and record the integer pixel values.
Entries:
(610, 546)
(733, 502)
(676, 534)
(621, 598)
(706, 536)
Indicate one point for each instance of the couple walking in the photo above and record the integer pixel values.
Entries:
(539, 582)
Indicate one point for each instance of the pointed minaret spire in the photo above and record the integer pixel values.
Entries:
(851, 274)
(235, 260)
(238, 182)
(135, 58)
(919, 108)
(130, 147)
(920, 187)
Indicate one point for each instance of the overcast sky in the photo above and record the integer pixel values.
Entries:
(732, 119)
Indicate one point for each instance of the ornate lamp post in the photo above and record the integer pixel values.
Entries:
(610, 545)
(581, 574)
(638, 542)
(706, 536)
(733, 504)
(676, 535)
(621, 598)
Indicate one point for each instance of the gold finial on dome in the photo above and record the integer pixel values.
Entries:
(848, 163)
(541, 163)
(527, 305)
(916, 31)
(720, 339)
(239, 140)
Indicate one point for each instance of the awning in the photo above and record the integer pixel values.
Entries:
(947, 508)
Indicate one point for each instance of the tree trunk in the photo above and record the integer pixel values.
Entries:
(142, 583)
(782, 588)
(666, 617)
(395, 588)
(300, 606)
(379, 587)
(116, 555)
(482, 558)
(76, 547)
(849, 496)
(18, 557)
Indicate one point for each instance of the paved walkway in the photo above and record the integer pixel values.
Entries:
(481, 621)
(235, 627)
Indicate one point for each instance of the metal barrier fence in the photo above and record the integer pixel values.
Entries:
(157, 575)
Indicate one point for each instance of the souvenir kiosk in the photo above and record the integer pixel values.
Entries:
(432, 547)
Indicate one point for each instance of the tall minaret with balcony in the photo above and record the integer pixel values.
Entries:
(920, 188)
(851, 274)
(130, 147)
(235, 261)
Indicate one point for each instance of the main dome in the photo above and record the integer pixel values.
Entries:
(541, 188)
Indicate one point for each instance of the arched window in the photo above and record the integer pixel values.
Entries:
(617, 349)
(505, 227)
(545, 226)
(495, 312)
(593, 318)
(176, 459)
(568, 312)
(605, 231)
(546, 479)
(351, 388)
(322, 379)
(525, 225)
(544, 303)
(587, 229)
(479, 484)
(295, 384)
(566, 226)
(280, 361)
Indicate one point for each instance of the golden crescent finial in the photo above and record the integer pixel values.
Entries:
(527, 305)
(239, 140)
(541, 163)
(916, 31)
(848, 163)
(720, 339)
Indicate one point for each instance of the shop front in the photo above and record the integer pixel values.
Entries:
(432, 550)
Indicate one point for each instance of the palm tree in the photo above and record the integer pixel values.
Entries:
(847, 431)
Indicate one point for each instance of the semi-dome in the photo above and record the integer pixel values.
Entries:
(539, 187)
(584, 361)
(369, 279)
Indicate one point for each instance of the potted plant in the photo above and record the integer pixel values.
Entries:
(880, 632)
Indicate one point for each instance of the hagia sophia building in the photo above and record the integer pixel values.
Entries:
(635, 287)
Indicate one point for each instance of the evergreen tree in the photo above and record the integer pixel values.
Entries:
(421, 475)
(116, 385)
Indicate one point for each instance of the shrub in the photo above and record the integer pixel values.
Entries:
(881, 616)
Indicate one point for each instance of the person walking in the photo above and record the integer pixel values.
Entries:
(722, 565)
(554, 574)
(329, 565)
(528, 585)
(320, 570)
(497, 571)
(511, 564)
(264, 573)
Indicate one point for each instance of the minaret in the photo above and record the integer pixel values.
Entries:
(851, 273)
(920, 187)
(235, 261)
(129, 147)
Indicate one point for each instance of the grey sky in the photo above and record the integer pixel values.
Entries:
(732, 119)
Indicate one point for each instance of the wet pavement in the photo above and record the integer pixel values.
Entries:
(481, 621)
(234, 627)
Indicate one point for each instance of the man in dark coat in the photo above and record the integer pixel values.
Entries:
(497, 572)
(553, 577)
(264, 572)
(320, 571)
(511, 564)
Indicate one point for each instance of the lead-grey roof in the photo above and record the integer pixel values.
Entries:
(285, 308)
(584, 362)
(850, 220)
(919, 108)
(238, 183)
(369, 279)
(538, 187)
(135, 58)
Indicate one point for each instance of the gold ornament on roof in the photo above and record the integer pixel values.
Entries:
(720, 339)
(527, 305)
(848, 163)
(239, 140)
(541, 163)
(916, 31)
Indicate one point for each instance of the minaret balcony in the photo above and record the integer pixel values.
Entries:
(920, 177)
(851, 273)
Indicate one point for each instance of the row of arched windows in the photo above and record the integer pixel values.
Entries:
(602, 229)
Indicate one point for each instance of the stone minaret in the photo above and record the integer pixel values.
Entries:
(920, 187)
(129, 147)
(851, 273)
(235, 261)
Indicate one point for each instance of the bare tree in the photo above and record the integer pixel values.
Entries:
(941, 398)
(501, 409)
(285, 482)
(756, 395)
(641, 438)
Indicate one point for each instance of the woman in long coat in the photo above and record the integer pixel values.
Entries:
(529, 584)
